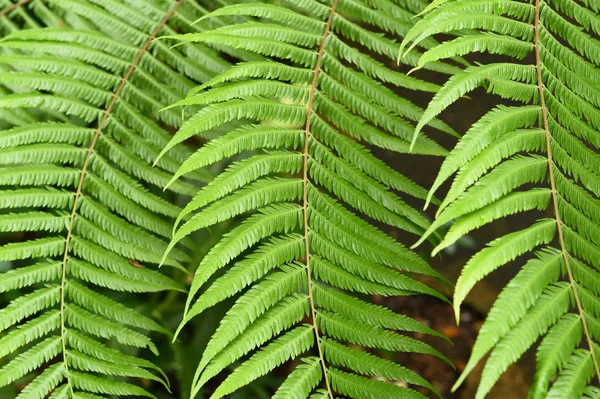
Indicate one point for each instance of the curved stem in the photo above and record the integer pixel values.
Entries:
(309, 111)
(84, 169)
(13, 7)
(559, 224)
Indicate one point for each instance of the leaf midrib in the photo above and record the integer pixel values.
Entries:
(84, 169)
(13, 7)
(305, 156)
(559, 223)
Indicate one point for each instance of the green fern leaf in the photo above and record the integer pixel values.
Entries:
(296, 126)
(82, 86)
(554, 296)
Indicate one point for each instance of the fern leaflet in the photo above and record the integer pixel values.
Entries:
(304, 114)
(550, 142)
(79, 111)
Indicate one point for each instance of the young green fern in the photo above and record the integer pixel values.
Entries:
(540, 155)
(304, 260)
(77, 180)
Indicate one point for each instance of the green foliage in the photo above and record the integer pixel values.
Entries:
(539, 154)
(302, 182)
(82, 85)
(286, 105)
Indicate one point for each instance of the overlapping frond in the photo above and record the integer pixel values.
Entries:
(79, 108)
(303, 259)
(541, 154)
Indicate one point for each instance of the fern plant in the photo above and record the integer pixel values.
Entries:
(539, 154)
(304, 260)
(82, 84)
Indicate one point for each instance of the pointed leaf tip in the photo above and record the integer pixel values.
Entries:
(413, 70)
(170, 182)
(202, 18)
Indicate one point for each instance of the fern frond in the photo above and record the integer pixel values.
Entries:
(83, 82)
(540, 155)
(298, 124)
